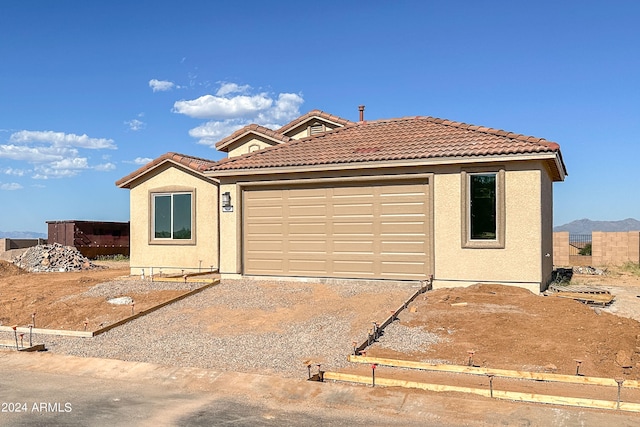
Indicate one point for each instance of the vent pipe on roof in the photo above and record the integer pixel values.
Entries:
(361, 109)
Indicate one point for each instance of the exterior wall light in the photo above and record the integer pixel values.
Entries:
(226, 202)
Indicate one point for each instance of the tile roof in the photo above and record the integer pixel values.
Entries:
(313, 113)
(392, 139)
(196, 164)
(252, 128)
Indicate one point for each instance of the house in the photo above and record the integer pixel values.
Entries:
(328, 198)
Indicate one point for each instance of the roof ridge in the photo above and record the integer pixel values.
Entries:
(315, 112)
(197, 164)
(252, 127)
(468, 126)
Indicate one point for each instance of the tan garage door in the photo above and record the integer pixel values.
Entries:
(371, 231)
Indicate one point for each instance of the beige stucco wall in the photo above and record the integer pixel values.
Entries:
(243, 145)
(520, 261)
(303, 130)
(546, 204)
(173, 258)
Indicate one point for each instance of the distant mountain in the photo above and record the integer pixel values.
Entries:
(22, 235)
(586, 226)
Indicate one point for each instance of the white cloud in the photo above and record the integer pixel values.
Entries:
(105, 167)
(135, 124)
(234, 106)
(52, 154)
(14, 172)
(35, 154)
(211, 132)
(161, 85)
(142, 160)
(11, 186)
(227, 88)
(220, 108)
(61, 139)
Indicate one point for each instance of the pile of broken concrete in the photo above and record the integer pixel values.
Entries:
(55, 257)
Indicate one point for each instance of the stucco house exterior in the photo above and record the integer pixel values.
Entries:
(327, 198)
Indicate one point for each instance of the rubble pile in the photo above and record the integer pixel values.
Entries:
(589, 270)
(55, 257)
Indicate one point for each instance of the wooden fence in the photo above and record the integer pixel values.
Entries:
(605, 248)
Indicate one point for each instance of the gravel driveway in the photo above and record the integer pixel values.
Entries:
(247, 326)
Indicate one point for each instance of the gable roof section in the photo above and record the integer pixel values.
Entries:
(388, 140)
(314, 114)
(196, 164)
(257, 130)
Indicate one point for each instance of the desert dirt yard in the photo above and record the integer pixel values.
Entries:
(281, 327)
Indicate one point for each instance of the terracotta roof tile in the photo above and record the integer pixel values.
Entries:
(195, 163)
(391, 139)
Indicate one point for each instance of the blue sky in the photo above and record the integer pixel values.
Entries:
(91, 90)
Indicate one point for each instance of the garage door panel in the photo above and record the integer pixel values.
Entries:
(266, 266)
(304, 266)
(353, 246)
(403, 248)
(304, 211)
(368, 231)
(345, 228)
(309, 229)
(350, 267)
(267, 245)
(319, 246)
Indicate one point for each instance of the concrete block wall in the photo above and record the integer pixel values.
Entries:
(8, 244)
(561, 248)
(615, 248)
(607, 248)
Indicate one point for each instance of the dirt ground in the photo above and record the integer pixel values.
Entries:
(511, 328)
(57, 300)
(506, 327)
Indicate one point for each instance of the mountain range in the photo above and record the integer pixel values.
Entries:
(22, 235)
(586, 226)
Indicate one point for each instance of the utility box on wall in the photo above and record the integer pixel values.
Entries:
(91, 238)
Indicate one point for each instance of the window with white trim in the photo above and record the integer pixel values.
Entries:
(172, 216)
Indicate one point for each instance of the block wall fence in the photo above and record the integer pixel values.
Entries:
(607, 248)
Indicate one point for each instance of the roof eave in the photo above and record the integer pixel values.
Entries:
(437, 161)
(127, 183)
(224, 147)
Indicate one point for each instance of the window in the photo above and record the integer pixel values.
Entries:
(483, 209)
(172, 216)
(482, 206)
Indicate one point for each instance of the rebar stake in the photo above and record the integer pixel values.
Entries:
(30, 332)
(471, 353)
(619, 381)
(490, 384)
(15, 334)
(309, 370)
(21, 341)
(33, 319)
(373, 374)
(578, 363)
(355, 348)
(85, 325)
(133, 304)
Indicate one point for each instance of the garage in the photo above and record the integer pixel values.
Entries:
(372, 230)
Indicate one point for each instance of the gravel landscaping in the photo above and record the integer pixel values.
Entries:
(246, 326)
